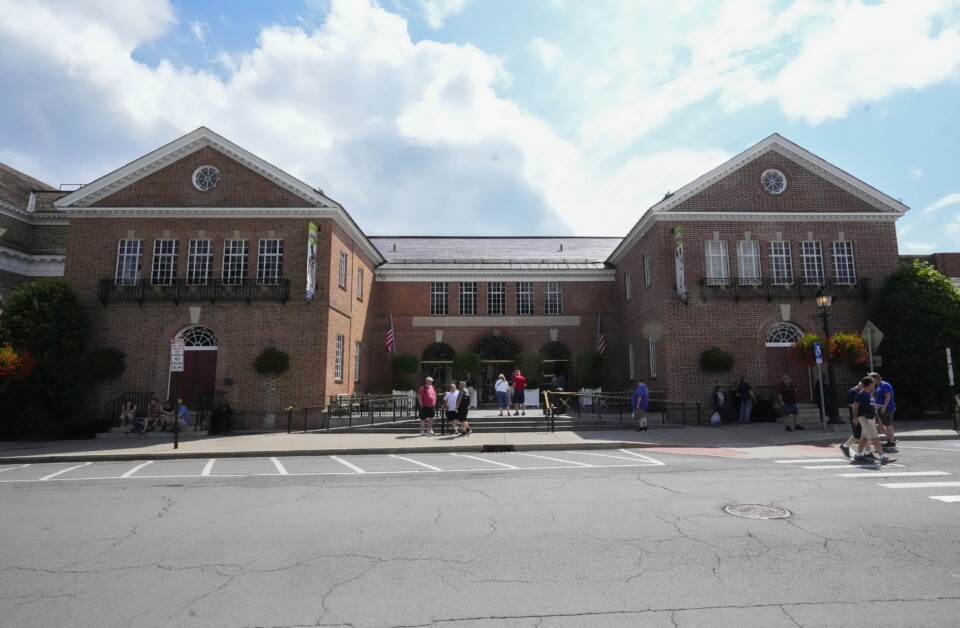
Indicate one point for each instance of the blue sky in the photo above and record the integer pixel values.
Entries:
(495, 117)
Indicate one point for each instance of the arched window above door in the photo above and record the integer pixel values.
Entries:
(438, 352)
(783, 334)
(198, 337)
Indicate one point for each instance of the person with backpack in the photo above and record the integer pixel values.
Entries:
(463, 408)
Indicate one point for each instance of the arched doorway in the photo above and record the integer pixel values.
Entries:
(556, 361)
(435, 362)
(497, 355)
(781, 359)
(199, 375)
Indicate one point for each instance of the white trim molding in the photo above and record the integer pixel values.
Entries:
(496, 321)
(425, 273)
(27, 265)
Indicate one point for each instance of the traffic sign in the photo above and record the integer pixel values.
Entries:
(818, 352)
(176, 355)
(872, 336)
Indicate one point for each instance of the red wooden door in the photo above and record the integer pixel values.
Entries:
(199, 376)
(780, 362)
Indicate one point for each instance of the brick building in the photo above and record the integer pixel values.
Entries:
(203, 242)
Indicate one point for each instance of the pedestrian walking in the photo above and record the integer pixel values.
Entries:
(745, 393)
(884, 399)
(854, 421)
(787, 394)
(866, 412)
(450, 402)
(502, 390)
(427, 400)
(463, 409)
(639, 403)
(519, 396)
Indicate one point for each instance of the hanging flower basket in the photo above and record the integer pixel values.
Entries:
(848, 349)
(804, 351)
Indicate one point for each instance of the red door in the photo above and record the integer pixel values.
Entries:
(199, 376)
(780, 362)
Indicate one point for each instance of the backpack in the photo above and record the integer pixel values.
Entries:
(138, 425)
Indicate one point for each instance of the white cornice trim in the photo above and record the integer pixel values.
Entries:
(28, 265)
(32, 218)
(393, 274)
(495, 321)
(766, 217)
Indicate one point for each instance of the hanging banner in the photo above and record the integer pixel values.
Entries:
(678, 256)
(311, 261)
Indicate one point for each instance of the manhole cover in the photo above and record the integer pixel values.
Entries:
(757, 511)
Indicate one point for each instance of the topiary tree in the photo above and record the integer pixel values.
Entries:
(105, 364)
(271, 363)
(716, 361)
(404, 367)
(530, 364)
(464, 363)
(588, 369)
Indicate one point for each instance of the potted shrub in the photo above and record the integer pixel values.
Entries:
(271, 363)
(530, 364)
(465, 363)
(403, 366)
(716, 361)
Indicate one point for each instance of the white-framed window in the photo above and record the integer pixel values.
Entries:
(468, 298)
(205, 178)
(553, 299)
(360, 284)
(342, 273)
(631, 363)
(524, 298)
(748, 262)
(129, 260)
(338, 359)
(235, 253)
(781, 268)
(626, 285)
(164, 262)
(811, 256)
(439, 298)
(356, 361)
(270, 262)
(783, 335)
(200, 262)
(647, 269)
(718, 263)
(496, 298)
(773, 181)
(843, 269)
(652, 354)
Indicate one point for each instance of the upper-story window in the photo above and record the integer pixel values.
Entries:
(342, 273)
(524, 298)
(647, 269)
(553, 299)
(356, 361)
(270, 262)
(235, 253)
(439, 298)
(652, 354)
(206, 178)
(811, 256)
(360, 284)
(748, 261)
(843, 269)
(200, 262)
(164, 262)
(468, 298)
(631, 361)
(496, 298)
(781, 268)
(773, 181)
(718, 263)
(626, 285)
(129, 259)
(338, 359)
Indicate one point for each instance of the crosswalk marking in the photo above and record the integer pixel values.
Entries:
(644, 457)
(582, 464)
(921, 485)
(135, 469)
(946, 498)
(845, 466)
(209, 467)
(806, 460)
(347, 464)
(280, 468)
(893, 474)
(20, 466)
(422, 464)
(502, 464)
(590, 453)
(62, 471)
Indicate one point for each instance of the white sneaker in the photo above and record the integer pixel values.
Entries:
(430, 433)
(423, 433)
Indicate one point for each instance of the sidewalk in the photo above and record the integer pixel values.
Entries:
(323, 443)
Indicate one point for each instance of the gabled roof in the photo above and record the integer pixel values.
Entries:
(888, 208)
(15, 187)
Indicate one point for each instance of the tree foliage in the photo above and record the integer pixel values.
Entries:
(465, 362)
(105, 363)
(530, 364)
(272, 361)
(588, 369)
(403, 366)
(918, 311)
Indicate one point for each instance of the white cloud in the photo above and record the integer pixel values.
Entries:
(546, 53)
(916, 173)
(437, 11)
(917, 248)
(199, 30)
(946, 201)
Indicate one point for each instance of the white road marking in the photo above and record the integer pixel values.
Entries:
(20, 466)
(582, 464)
(848, 466)
(347, 464)
(502, 464)
(280, 469)
(135, 469)
(53, 475)
(921, 485)
(422, 464)
(209, 467)
(806, 460)
(894, 474)
(946, 498)
(644, 457)
(590, 453)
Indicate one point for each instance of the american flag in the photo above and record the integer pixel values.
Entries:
(390, 344)
(601, 337)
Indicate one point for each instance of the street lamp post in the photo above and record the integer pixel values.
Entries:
(824, 300)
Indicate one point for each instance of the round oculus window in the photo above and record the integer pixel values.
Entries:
(205, 178)
(773, 181)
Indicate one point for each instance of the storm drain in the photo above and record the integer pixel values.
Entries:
(757, 511)
(496, 449)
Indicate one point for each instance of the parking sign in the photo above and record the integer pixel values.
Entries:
(818, 352)
(176, 355)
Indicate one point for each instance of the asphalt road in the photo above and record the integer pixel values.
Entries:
(571, 539)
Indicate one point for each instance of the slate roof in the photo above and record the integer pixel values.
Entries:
(496, 253)
(15, 187)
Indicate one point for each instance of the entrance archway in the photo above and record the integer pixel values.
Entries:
(497, 355)
(556, 361)
(435, 362)
(781, 359)
(199, 375)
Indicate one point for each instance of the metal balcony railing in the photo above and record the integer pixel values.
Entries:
(770, 288)
(143, 291)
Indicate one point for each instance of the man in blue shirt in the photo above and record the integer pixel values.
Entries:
(639, 403)
(866, 412)
(183, 415)
(884, 399)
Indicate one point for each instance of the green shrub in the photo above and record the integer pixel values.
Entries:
(530, 364)
(588, 369)
(465, 362)
(404, 366)
(272, 361)
(716, 360)
(105, 363)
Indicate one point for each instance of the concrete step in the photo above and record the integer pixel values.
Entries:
(124, 433)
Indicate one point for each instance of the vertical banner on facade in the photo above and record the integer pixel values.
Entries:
(311, 261)
(678, 255)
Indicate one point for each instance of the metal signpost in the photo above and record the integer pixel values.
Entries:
(176, 366)
(954, 398)
(818, 353)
